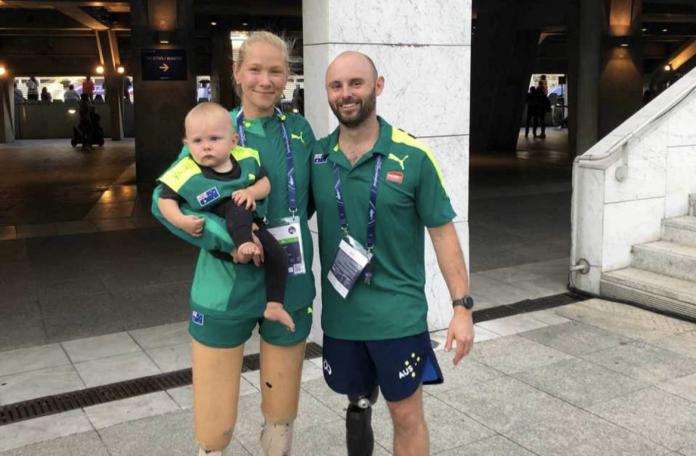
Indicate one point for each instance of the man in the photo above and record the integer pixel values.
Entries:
(88, 88)
(386, 189)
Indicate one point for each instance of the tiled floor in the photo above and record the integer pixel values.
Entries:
(563, 381)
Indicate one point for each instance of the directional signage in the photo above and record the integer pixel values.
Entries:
(164, 64)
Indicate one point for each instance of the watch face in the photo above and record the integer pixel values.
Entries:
(467, 302)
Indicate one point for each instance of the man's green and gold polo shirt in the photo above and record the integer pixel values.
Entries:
(410, 196)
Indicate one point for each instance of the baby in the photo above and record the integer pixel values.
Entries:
(226, 179)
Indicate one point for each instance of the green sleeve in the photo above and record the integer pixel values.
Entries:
(215, 235)
(432, 203)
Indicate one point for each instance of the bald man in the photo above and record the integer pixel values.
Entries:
(376, 188)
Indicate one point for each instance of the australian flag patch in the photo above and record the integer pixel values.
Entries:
(197, 318)
(208, 196)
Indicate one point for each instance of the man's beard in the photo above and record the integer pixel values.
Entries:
(366, 109)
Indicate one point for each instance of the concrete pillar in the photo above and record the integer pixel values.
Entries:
(110, 58)
(7, 110)
(221, 79)
(503, 59)
(160, 105)
(621, 78)
(114, 98)
(423, 50)
(605, 84)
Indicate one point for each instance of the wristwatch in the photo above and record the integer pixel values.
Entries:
(467, 302)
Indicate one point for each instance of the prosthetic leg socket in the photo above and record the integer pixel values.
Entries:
(360, 439)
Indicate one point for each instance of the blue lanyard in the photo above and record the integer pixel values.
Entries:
(292, 193)
(372, 211)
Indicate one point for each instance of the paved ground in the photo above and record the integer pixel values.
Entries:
(83, 305)
(591, 378)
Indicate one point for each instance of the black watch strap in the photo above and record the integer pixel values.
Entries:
(467, 302)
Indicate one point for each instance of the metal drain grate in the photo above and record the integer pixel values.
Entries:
(50, 405)
(528, 305)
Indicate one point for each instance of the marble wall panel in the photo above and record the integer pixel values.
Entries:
(589, 216)
(452, 157)
(629, 223)
(406, 21)
(681, 123)
(647, 162)
(681, 179)
(436, 292)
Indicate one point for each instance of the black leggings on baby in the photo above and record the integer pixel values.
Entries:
(239, 221)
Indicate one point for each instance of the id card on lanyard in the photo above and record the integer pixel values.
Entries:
(353, 259)
(287, 231)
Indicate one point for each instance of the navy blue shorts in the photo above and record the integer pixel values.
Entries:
(398, 366)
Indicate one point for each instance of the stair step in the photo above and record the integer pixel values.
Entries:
(656, 291)
(667, 258)
(681, 230)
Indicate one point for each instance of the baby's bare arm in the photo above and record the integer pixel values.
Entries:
(171, 211)
(260, 189)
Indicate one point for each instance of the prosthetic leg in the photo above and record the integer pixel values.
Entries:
(359, 437)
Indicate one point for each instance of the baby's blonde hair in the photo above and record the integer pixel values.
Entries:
(209, 109)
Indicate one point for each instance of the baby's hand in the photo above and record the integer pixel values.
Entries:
(249, 248)
(192, 225)
(244, 198)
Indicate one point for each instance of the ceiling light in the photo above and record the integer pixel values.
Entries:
(99, 69)
(668, 67)
(120, 70)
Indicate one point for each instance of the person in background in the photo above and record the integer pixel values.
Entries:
(532, 112)
(543, 106)
(18, 95)
(88, 87)
(45, 96)
(32, 89)
(71, 95)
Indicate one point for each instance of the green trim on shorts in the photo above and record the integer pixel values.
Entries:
(214, 331)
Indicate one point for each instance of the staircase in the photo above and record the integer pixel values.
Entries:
(662, 274)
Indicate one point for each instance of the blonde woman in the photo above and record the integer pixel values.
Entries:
(228, 297)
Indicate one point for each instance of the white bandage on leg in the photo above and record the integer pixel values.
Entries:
(202, 452)
(276, 438)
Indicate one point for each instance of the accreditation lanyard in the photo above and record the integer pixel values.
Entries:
(292, 193)
(371, 213)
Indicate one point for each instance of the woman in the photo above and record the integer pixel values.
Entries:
(45, 96)
(32, 89)
(228, 299)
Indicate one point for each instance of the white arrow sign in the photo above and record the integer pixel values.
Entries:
(164, 67)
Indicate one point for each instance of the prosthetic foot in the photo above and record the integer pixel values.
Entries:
(276, 438)
(360, 439)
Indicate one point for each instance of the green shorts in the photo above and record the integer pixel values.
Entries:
(216, 331)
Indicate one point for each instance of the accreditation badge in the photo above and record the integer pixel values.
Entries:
(350, 261)
(288, 233)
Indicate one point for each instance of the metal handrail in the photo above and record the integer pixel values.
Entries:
(605, 160)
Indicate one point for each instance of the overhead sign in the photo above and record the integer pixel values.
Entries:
(164, 64)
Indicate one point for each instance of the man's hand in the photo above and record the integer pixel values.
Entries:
(192, 225)
(244, 198)
(461, 329)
